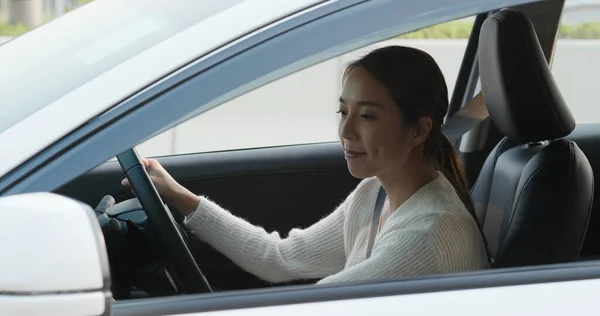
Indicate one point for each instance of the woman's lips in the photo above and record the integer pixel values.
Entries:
(353, 154)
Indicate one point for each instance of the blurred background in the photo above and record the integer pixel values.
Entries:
(18, 16)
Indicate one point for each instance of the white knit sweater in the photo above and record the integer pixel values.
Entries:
(432, 232)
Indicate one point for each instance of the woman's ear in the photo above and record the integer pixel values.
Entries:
(422, 130)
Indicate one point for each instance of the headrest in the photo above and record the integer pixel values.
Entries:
(519, 89)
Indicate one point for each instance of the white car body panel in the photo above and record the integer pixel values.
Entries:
(98, 95)
(561, 298)
(36, 262)
(77, 304)
(54, 260)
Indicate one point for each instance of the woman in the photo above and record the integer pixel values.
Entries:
(391, 110)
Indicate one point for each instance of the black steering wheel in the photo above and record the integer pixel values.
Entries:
(161, 219)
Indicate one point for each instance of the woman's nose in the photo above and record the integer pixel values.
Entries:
(347, 128)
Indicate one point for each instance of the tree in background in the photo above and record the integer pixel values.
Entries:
(20, 16)
(459, 29)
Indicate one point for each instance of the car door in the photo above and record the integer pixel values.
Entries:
(555, 291)
(280, 183)
(277, 188)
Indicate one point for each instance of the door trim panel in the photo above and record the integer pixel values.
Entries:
(323, 293)
(308, 158)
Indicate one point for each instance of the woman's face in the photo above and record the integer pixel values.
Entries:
(372, 132)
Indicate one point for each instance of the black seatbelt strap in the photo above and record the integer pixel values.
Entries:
(375, 221)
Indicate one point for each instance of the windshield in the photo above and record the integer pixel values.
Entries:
(39, 67)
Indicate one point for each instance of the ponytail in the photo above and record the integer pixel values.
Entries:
(449, 163)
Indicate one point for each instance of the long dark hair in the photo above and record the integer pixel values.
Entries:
(417, 86)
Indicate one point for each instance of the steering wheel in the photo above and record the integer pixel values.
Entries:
(161, 219)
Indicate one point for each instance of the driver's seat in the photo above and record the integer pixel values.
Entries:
(534, 193)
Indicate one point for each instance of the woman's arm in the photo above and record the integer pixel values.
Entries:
(314, 252)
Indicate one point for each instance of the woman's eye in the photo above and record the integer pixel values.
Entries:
(367, 116)
(343, 113)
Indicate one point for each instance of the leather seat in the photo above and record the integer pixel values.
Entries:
(534, 194)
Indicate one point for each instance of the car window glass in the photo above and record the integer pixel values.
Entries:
(299, 108)
(575, 63)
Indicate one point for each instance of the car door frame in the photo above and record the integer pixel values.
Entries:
(318, 34)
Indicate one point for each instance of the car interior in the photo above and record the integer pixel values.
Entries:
(532, 181)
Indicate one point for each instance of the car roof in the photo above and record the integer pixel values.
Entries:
(125, 79)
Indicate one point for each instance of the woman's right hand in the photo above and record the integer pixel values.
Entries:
(169, 189)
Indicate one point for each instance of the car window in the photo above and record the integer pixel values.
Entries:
(299, 108)
(575, 64)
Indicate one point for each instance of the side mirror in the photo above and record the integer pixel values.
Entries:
(54, 260)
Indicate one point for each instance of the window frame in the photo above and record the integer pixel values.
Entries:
(465, 83)
(306, 39)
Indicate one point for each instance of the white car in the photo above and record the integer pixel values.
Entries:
(100, 80)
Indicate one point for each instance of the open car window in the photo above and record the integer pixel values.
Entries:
(278, 113)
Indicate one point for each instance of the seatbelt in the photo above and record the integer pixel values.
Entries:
(464, 120)
(375, 221)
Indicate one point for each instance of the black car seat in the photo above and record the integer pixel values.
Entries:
(534, 193)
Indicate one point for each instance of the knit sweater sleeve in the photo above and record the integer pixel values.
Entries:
(399, 253)
(314, 252)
